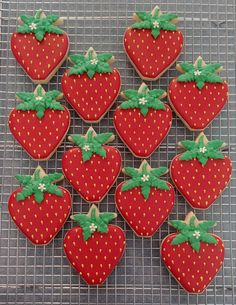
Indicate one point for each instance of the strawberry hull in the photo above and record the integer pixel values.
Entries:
(201, 185)
(150, 56)
(40, 222)
(40, 59)
(197, 108)
(39, 137)
(145, 217)
(142, 134)
(91, 98)
(193, 270)
(95, 258)
(94, 178)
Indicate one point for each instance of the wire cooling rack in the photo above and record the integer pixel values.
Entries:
(42, 275)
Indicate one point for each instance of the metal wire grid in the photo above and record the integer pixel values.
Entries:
(42, 275)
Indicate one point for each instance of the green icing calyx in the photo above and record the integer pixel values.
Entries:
(39, 100)
(39, 184)
(92, 143)
(199, 72)
(93, 221)
(155, 21)
(145, 177)
(91, 63)
(193, 231)
(201, 149)
(143, 99)
(40, 24)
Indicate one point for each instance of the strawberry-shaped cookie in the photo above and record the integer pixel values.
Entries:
(94, 247)
(143, 120)
(202, 172)
(199, 94)
(145, 201)
(39, 46)
(91, 86)
(39, 123)
(193, 256)
(40, 208)
(92, 167)
(152, 43)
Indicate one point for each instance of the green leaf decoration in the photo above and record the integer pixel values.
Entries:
(39, 101)
(95, 222)
(155, 22)
(179, 239)
(38, 185)
(144, 179)
(90, 63)
(92, 144)
(145, 100)
(38, 25)
(192, 233)
(200, 74)
(200, 151)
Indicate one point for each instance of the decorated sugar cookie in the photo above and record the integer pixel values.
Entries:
(199, 94)
(143, 120)
(39, 123)
(91, 86)
(202, 172)
(193, 256)
(40, 46)
(94, 247)
(145, 201)
(39, 208)
(153, 43)
(92, 167)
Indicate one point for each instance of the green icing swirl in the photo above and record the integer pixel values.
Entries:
(155, 22)
(38, 25)
(90, 63)
(200, 74)
(39, 101)
(192, 233)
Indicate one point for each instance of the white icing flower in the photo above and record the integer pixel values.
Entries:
(93, 227)
(142, 101)
(86, 147)
(156, 24)
(33, 26)
(197, 72)
(39, 98)
(202, 150)
(196, 234)
(145, 178)
(42, 187)
(94, 61)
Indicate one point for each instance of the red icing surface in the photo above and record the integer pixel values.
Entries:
(197, 108)
(39, 59)
(201, 185)
(39, 137)
(91, 98)
(95, 258)
(40, 222)
(193, 270)
(152, 56)
(142, 134)
(94, 178)
(145, 216)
